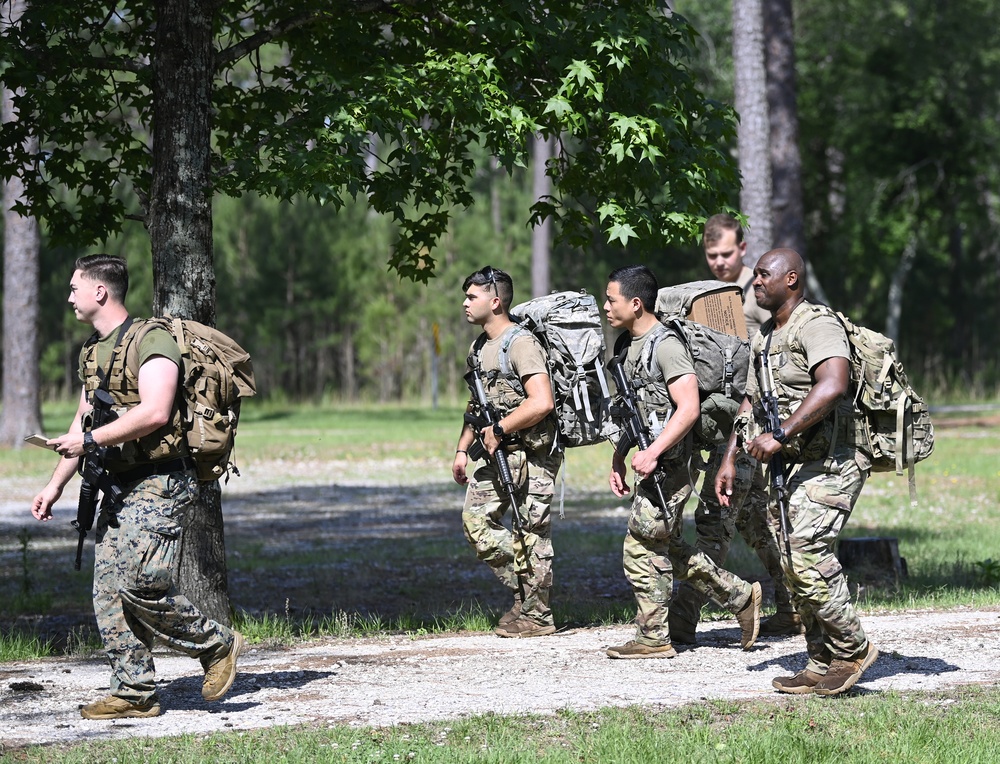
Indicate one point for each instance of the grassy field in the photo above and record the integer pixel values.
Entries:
(346, 522)
(858, 729)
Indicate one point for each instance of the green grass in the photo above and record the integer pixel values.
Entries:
(959, 728)
(18, 646)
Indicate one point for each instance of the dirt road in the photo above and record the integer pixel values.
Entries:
(401, 679)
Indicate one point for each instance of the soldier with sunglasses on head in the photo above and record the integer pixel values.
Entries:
(514, 371)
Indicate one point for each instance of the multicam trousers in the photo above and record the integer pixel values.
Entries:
(715, 526)
(822, 494)
(528, 568)
(134, 595)
(655, 553)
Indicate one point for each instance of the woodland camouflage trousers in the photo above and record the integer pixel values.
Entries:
(134, 595)
(528, 568)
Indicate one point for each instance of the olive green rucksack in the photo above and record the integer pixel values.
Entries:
(216, 375)
(895, 420)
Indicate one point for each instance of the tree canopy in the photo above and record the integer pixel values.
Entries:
(388, 100)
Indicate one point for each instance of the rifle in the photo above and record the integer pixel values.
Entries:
(487, 418)
(769, 420)
(634, 430)
(94, 477)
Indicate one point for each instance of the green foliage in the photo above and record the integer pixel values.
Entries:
(989, 571)
(392, 107)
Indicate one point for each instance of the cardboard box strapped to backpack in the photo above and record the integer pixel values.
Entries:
(708, 318)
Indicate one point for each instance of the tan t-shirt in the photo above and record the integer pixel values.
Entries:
(526, 354)
(156, 342)
(671, 356)
(821, 338)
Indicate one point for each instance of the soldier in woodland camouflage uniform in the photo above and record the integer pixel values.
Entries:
(137, 538)
(526, 431)
(666, 389)
(715, 525)
(807, 351)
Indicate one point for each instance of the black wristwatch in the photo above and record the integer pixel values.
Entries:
(498, 430)
(89, 444)
(779, 434)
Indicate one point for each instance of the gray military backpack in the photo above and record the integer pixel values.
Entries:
(568, 325)
(721, 359)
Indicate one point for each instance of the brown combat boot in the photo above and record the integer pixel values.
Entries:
(800, 684)
(513, 614)
(639, 650)
(843, 674)
(524, 627)
(220, 672)
(749, 618)
(781, 624)
(119, 708)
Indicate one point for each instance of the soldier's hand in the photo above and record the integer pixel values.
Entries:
(763, 447)
(41, 505)
(69, 445)
(458, 468)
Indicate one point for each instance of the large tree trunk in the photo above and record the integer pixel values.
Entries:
(22, 414)
(787, 215)
(180, 228)
(541, 234)
(752, 136)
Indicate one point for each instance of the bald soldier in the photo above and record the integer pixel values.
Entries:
(807, 354)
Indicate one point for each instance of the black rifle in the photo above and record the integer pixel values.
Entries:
(634, 430)
(769, 420)
(94, 476)
(487, 418)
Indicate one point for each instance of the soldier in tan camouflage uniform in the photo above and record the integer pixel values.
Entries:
(807, 351)
(715, 525)
(526, 431)
(654, 553)
(135, 599)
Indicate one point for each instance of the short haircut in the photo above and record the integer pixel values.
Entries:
(636, 281)
(494, 279)
(110, 270)
(717, 225)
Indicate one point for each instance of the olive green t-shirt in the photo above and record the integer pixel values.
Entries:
(157, 341)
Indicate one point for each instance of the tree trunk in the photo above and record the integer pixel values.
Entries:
(180, 229)
(895, 307)
(541, 234)
(22, 413)
(752, 135)
(787, 214)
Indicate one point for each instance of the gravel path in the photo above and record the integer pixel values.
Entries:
(400, 679)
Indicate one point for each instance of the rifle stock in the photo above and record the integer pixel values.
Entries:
(634, 430)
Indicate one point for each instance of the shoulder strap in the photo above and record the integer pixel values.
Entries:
(103, 374)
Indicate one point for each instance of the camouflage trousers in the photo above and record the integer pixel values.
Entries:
(655, 554)
(716, 525)
(527, 568)
(822, 494)
(135, 600)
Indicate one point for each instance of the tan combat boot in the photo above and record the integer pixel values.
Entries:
(220, 672)
(119, 708)
(639, 650)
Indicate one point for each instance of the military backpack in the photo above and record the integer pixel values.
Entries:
(721, 359)
(216, 374)
(568, 326)
(896, 422)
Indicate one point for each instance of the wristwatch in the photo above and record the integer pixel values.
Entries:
(89, 444)
(498, 430)
(778, 433)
